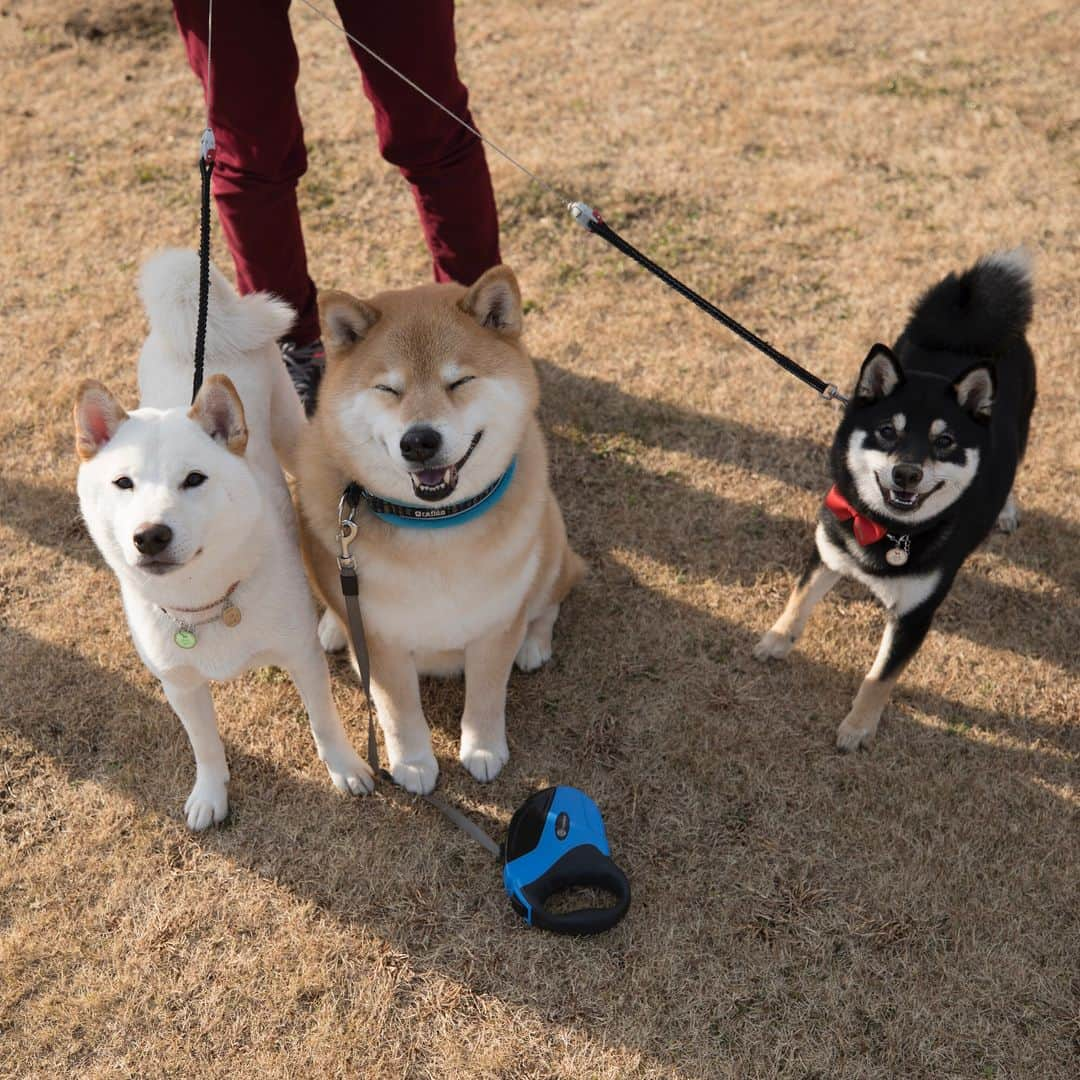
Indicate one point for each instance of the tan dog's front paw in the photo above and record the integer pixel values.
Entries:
(485, 762)
(773, 646)
(417, 776)
(854, 732)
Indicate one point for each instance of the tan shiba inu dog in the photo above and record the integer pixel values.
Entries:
(428, 403)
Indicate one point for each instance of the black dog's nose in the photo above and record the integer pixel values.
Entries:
(907, 476)
(420, 444)
(150, 539)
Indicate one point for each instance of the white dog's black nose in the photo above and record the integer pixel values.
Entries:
(420, 444)
(152, 539)
(907, 476)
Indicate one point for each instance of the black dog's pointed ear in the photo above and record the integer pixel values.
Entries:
(881, 374)
(975, 390)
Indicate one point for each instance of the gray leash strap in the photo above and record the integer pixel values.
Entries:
(350, 590)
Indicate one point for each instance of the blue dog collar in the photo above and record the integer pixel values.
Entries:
(410, 516)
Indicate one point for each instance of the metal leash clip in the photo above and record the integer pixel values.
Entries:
(347, 532)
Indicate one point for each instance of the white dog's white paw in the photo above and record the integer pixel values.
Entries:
(349, 772)
(485, 762)
(331, 632)
(417, 776)
(773, 646)
(208, 803)
(1009, 518)
(533, 654)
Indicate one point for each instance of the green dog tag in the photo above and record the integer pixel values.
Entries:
(186, 639)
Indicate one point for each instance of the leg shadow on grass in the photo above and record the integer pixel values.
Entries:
(738, 824)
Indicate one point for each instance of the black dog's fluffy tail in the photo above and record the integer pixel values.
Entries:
(979, 311)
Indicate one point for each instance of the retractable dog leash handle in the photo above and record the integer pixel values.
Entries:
(556, 841)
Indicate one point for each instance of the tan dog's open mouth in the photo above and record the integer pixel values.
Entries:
(434, 485)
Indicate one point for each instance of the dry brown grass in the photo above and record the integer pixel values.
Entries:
(907, 912)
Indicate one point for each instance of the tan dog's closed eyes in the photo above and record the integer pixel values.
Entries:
(428, 399)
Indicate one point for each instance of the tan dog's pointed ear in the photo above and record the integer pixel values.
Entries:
(97, 416)
(345, 319)
(495, 301)
(219, 411)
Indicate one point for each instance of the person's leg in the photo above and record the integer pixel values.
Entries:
(260, 145)
(443, 162)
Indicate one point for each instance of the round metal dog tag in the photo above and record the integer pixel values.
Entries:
(231, 616)
(896, 556)
(186, 639)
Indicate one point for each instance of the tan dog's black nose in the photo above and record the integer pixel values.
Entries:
(907, 476)
(152, 539)
(420, 444)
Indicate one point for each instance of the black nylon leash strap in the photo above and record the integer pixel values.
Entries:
(589, 219)
(350, 590)
(206, 168)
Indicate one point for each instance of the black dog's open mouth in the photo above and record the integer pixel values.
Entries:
(434, 485)
(907, 500)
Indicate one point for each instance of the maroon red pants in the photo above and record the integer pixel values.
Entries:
(260, 139)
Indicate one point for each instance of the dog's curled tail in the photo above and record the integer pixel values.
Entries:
(979, 311)
(169, 287)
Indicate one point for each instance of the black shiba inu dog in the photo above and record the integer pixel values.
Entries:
(923, 465)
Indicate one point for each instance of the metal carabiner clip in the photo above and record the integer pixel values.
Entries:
(347, 533)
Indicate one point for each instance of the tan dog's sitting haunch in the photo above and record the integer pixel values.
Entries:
(428, 403)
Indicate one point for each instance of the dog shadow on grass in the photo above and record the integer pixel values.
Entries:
(719, 786)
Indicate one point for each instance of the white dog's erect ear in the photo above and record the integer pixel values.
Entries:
(974, 391)
(219, 411)
(495, 301)
(345, 319)
(881, 374)
(97, 416)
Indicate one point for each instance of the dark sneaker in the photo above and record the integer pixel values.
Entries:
(305, 364)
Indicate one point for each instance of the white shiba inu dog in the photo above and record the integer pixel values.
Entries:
(428, 409)
(190, 509)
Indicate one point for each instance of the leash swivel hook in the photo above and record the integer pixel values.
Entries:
(347, 533)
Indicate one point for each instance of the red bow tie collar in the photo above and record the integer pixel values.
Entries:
(867, 531)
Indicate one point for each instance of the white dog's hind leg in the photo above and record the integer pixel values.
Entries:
(1009, 518)
(488, 661)
(331, 632)
(208, 802)
(348, 770)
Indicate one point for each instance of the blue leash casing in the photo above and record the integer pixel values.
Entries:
(556, 840)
